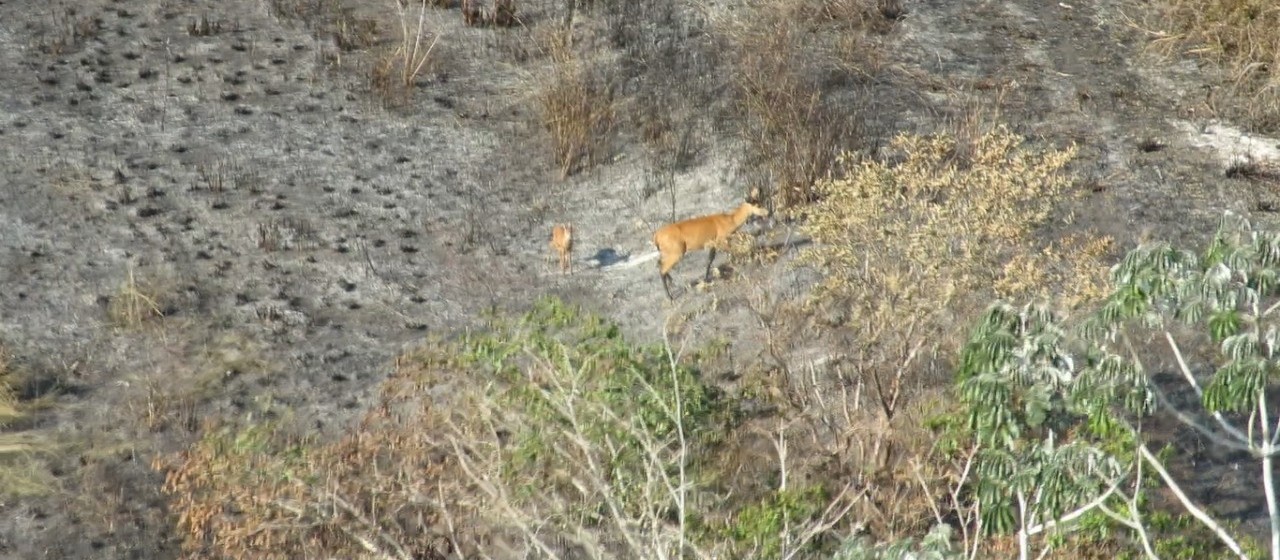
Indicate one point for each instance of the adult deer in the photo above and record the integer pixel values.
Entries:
(676, 240)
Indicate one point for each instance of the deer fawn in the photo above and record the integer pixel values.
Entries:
(562, 243)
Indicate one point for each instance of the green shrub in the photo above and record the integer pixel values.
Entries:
(936, 545)
(762, 528)
(547, 432)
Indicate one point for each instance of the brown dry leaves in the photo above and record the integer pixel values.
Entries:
(935, 225)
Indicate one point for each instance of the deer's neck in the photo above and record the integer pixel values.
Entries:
(740, 216)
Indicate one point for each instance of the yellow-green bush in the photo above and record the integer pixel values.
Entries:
(919, 234)
(910, 248)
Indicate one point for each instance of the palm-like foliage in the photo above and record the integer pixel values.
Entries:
(1055, 410)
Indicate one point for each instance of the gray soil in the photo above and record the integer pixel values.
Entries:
(297, 236)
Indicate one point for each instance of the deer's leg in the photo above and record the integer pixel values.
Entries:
(666, 285)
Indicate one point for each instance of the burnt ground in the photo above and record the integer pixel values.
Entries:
(297, 235)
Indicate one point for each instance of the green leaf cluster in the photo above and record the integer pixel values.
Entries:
(762, 527)
(561, 373)
(1056, 410)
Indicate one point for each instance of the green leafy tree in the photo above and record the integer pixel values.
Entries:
(1057, 412)
(1038, 463)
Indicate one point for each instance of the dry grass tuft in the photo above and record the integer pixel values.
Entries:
(68, 29)
(577, 106)
(786, 54)
(351, 33)
(167, 401)
(396, 72)
(503, 13)
(1240, 36)
(472, 15)
(204, 27)
(21, 471)
(135, 302)
(877, 16)
(1253, 170)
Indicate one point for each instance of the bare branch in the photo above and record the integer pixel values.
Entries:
(1186, 373)
(1206, 431)
(1192, 508)
(1072, 516)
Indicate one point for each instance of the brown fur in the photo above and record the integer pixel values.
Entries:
(562, 243)
(677, 239)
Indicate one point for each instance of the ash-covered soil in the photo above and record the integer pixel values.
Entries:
(296, 235)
